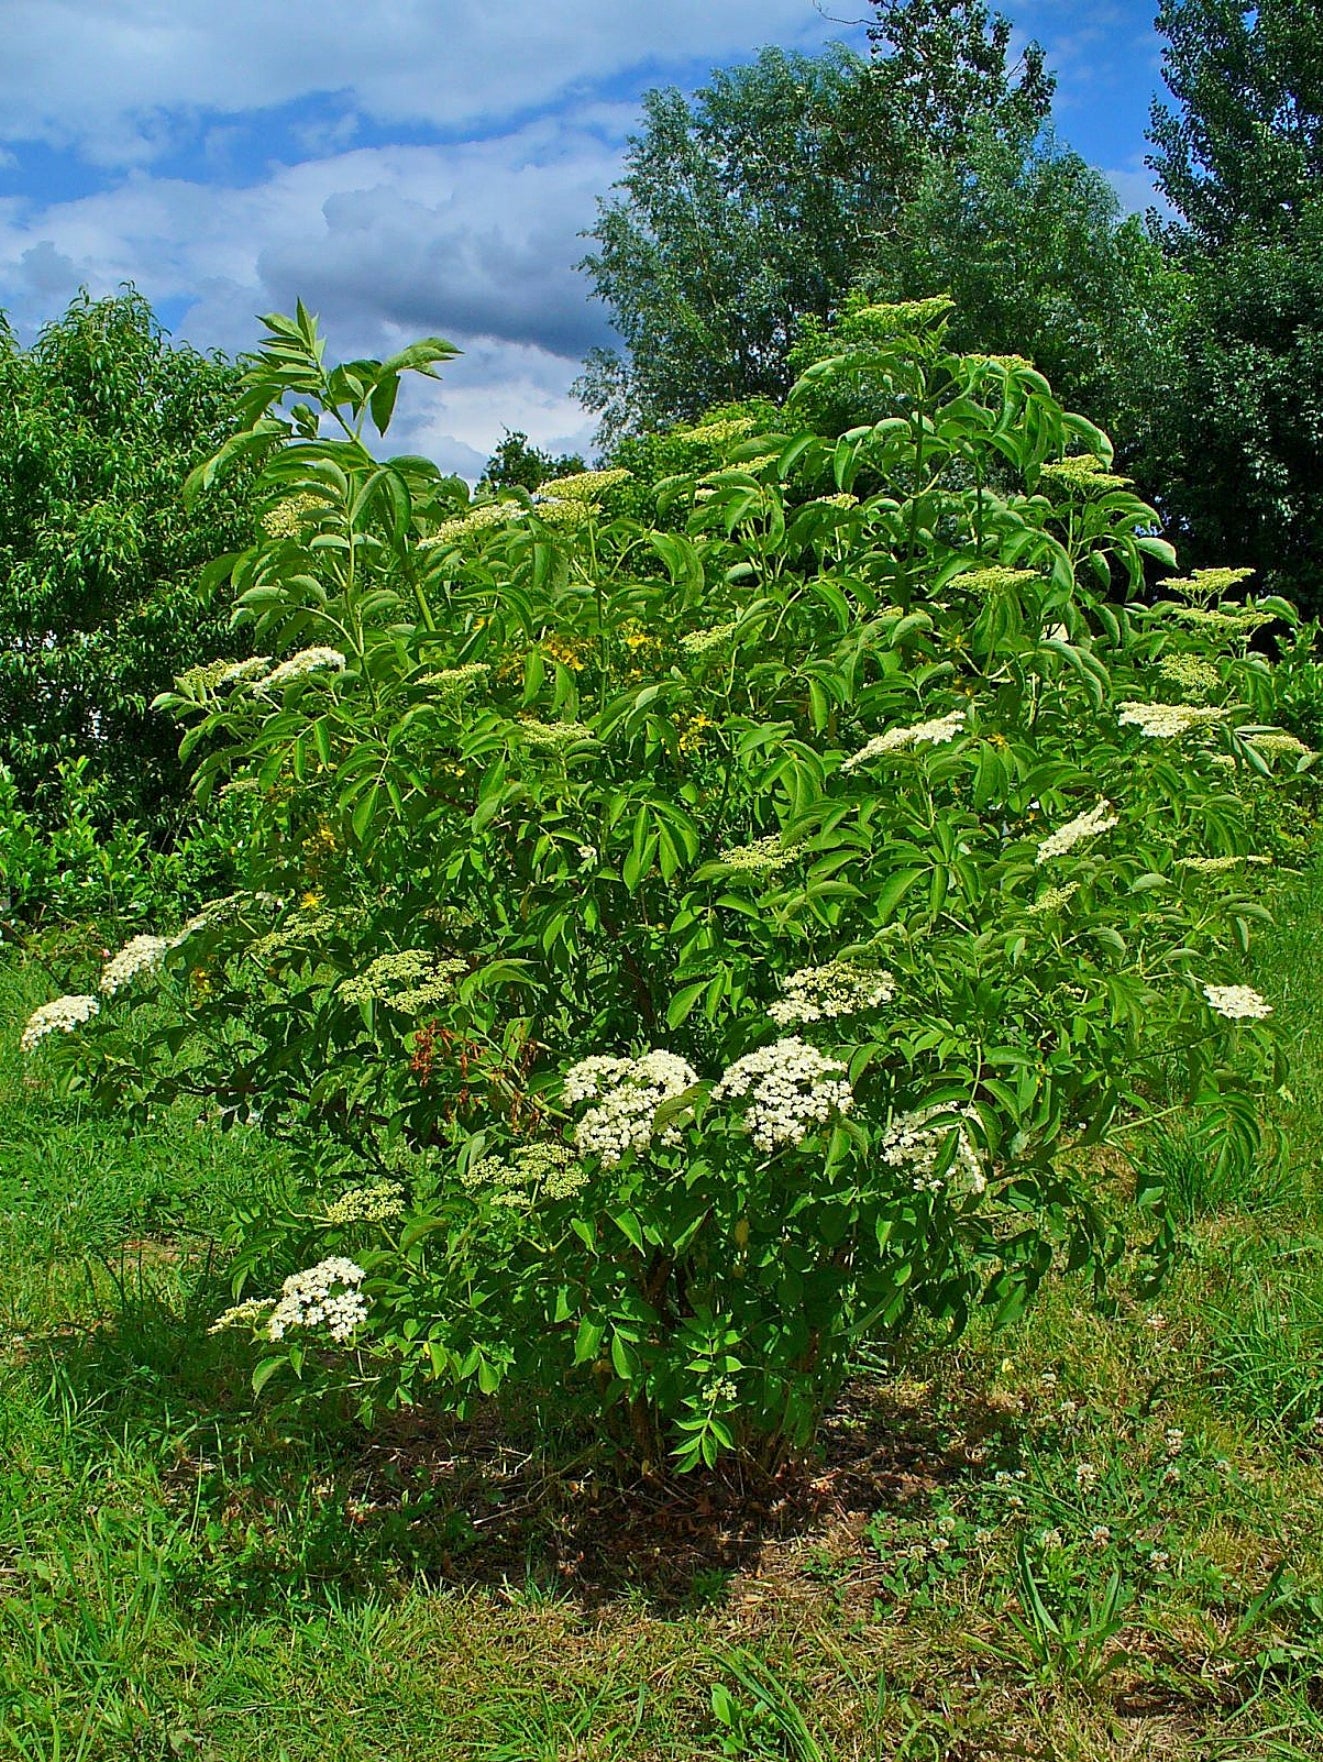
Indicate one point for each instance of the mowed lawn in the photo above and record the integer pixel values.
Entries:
(1098, 1534)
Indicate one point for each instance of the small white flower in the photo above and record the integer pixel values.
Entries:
(144, 954)
(1238, 1003)
(790, 1087)
(1088, 825)
(60, 1017)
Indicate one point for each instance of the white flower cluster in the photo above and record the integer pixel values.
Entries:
(547, 1169)
(1168, 721)
(1276, 744)
(1214, 621)
(407, 979)
(552, 737)
(841, 988)
(1082, 472)
(243, 1315)
(566, 511)
(764, 854)
(1088, 825)
(377, 1204)
(1219, 865)
(285, 519)
(1191, 673)
(478, 518)
(995, 580)
(214, 674)
(918, 1141)
(309, 1300)
(699, 643)
(60, 1017)
(628, 1092)
(1238, 1003)
(143, 954)
(585, 486)
(314, 660)
(1207, 584)
(790, 1086)
(890, 318)
(1051, 899)
(714, 433)
(453, 684)
(936, 732)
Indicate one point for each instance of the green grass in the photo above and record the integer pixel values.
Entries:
(1099, 1535)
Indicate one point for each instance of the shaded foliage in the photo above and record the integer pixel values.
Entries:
(1238, 442)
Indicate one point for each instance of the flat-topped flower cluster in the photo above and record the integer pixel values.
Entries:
(627, 1093)
(1097, 819)
(790, 1087)
(325, 1296)
(935, 732)
(1168, 721)
(920, 1144)
(142, 954)
(61, 1016)
(840, 988)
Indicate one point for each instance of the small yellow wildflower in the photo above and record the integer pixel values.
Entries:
(695, 735)
(564, 651)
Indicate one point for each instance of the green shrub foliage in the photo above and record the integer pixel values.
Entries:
(684, 948)
(100, 422)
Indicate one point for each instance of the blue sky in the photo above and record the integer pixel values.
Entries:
(407, 166)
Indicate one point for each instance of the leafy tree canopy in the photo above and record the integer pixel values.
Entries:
(517, 464)
(1238, 446)
(1244, 144)
(760, 203)
(100, 422)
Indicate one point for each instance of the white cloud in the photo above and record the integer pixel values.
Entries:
(119, 79)
(1136, 191)
(475, 242)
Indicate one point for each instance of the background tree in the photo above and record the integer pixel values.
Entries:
(1238, 446)
(738, 213)
(783, 185)
(1031, 242)
(517, 464)
(100, 423)
(944, 66)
